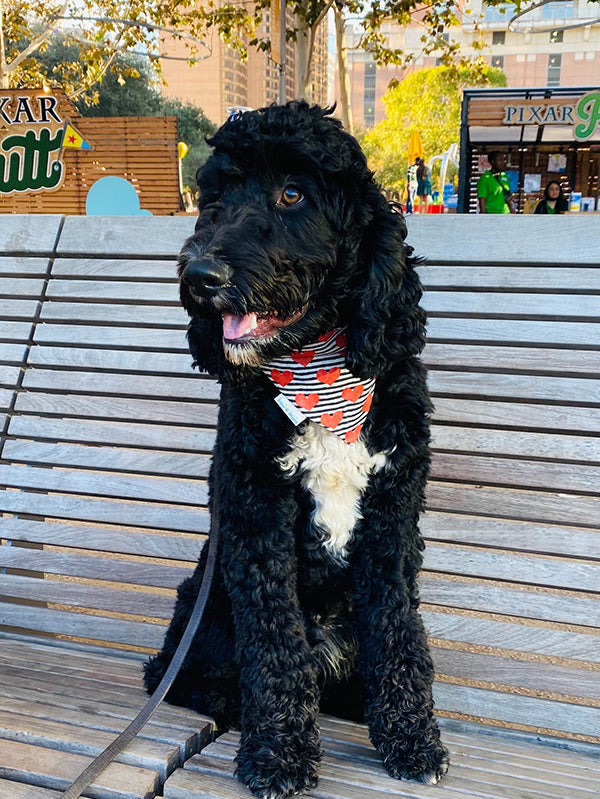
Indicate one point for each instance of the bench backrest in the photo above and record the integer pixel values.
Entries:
(107, 435)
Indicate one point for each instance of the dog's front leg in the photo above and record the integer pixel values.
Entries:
(279, 749)
(395, 664)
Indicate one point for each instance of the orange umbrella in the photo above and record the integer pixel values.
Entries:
(415, 147)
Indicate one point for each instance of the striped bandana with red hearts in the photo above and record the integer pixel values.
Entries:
(315, 384)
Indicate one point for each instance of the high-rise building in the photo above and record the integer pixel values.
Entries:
(222, 79)
(548, 50)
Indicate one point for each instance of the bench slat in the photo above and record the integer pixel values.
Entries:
(92, 431)
(23, 265)
(517, 414)
(536, 506)
(86, 509)
(165, 292)
(12, 353)
(514, 600)
(105, 539)
(203, 414)
(132, 314)
(21, 286)
(523, 387)
(15, 331)
(104, 236)
(111, 336)
(507, 303)
(190, 388)
(554, 476)
(47, 768)
(509, 277)
(560, 643)
(526, 359)
(115, 360)
(505, 331)
(106, 268)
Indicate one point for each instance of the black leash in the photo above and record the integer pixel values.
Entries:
(105, 758)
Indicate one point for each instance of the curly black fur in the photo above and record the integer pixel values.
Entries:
(288, 630)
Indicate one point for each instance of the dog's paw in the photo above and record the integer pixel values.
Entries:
(427, 766)
(280, 774)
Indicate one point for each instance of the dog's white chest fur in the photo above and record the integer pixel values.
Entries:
(336, 475)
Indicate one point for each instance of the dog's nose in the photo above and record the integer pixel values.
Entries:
(205, 276)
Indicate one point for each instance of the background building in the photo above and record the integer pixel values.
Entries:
(223, 79)
(551, 57)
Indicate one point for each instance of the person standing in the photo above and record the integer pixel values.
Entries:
(411, 186)
(554, 201)
(493, 187)
(423, 185)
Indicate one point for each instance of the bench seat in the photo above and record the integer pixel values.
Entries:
(105, 442)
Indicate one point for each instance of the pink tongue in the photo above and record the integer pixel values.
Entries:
(235, 327)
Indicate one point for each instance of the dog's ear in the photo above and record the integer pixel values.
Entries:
(205, 338)
(385, 321)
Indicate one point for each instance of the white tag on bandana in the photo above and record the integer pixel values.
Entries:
(314, 383)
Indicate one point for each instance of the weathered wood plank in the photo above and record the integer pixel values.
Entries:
(170, 464)
(17, 309)
(499, 565)
(108, 539)
(506, 332)
(18, 790)
(99, 568)
(527, 387)
(109, 336)
(526, 710)
(203, 414)
(133, 314)
(86, 509)
(12, 353)
(473, 594)
(525, 359)
(105, 484)
(20, 235)
(557, 476)
(505, 442)
(517, 414)
(92, 431)
(502, 276)
(512, 304)
(539, 677)
(15, 331)
(510, 503)
(152, 238)
(113, 360)
(120, 290)
(138, 603)
(46, 768)
(529, 638)
(192, 387)
(22, 287)
(103, 268)
(22, 265)
(491, 240)
(91, 628)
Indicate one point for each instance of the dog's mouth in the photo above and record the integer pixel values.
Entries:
(254, 327)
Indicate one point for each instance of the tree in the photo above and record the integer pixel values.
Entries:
(430, 101)
(131, 89)
(98, 29)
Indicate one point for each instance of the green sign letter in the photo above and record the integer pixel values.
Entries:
(588, 111)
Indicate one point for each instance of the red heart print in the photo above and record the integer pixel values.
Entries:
(341, 341)
(328, 377)
(352, 435)
(282, 378)
(353, 394)
(308, 403)
(325, 336)
(367, 404)
(332, 420)
(303, 357)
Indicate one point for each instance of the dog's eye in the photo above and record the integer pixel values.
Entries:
(291, 195)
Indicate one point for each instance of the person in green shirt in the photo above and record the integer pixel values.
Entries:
(493, 187)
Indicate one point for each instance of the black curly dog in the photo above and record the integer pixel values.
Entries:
(314, 601)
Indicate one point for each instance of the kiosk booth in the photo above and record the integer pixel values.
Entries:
(547, 134)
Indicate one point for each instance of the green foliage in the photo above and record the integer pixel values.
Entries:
(428, 100)
(130, 88)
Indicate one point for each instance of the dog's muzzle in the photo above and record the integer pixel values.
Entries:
(204, 275)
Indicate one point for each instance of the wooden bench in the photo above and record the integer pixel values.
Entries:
(106, 439)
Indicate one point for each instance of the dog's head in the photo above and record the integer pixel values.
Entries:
(294, 239)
